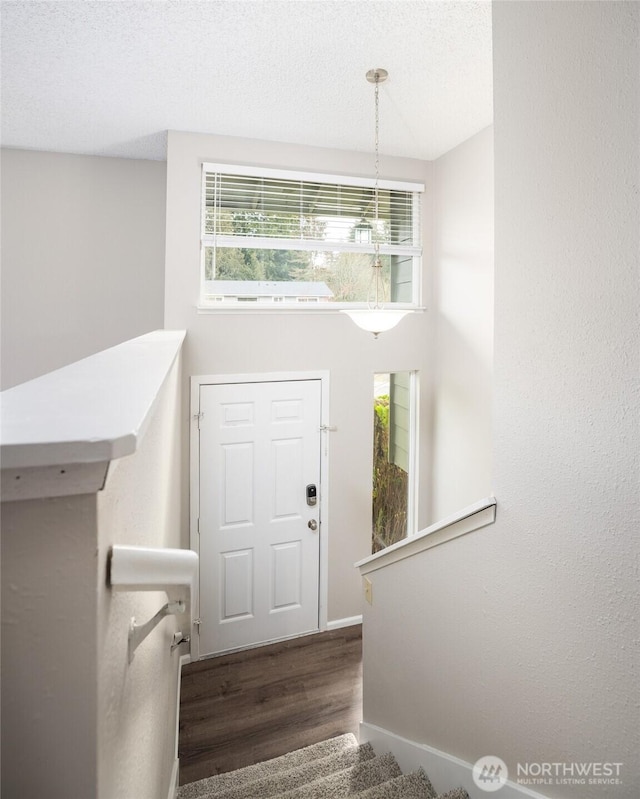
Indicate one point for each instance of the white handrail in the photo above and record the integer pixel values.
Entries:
(471, 518)
(174, 571)
(153, 569)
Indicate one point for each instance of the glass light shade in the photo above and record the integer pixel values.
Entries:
(376, 320)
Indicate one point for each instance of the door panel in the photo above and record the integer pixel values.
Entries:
(286, 459)
(287, 573)
(236, 579)
(236, 484)
(259, 560)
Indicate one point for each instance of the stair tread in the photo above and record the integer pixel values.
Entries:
(409, 786)
(195, 790)
(333, 769)
(279, 780)
(350, 781)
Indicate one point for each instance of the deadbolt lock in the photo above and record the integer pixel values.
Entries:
(312, 494)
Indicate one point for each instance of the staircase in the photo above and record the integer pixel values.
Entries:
(338, 767)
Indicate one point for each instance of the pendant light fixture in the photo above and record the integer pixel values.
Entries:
(376, 318)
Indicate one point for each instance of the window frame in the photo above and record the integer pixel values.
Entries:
(414, 251)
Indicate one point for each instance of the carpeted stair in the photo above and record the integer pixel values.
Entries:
(335, 768)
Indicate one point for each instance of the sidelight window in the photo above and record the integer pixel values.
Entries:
(394, 435)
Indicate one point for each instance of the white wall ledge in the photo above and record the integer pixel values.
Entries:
(60, 431)
(471, 518)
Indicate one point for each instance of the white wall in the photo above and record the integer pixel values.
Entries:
(247, 343)
(49, 657)
(463, 313)
(77, 719)
(82, 257)
(138, 702)
(520, 640)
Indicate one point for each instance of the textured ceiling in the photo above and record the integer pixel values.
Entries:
(110, 78)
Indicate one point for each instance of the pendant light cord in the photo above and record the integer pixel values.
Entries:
(376, 144)
(376, 241)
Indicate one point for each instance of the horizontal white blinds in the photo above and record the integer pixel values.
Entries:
(244, 207)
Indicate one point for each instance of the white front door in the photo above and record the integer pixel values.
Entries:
(259, 537)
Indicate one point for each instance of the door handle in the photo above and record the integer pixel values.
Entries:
(312, 525)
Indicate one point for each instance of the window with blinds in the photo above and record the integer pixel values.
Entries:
(275, 237)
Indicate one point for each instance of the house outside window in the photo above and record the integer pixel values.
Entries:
(281, 239)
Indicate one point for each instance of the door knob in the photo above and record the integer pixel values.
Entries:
(312, 525)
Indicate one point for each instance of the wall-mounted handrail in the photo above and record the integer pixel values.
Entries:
(152, 569)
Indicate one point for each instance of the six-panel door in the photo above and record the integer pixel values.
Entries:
(259, 557)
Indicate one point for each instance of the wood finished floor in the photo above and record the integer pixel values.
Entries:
(251, 706)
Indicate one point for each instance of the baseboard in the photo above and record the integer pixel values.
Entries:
(173, 782)
(175, 770)
(350, 621)
(445, 771)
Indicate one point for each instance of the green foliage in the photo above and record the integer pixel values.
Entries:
(390, 484)
(348, 275)
(381, 410)
(238, 265)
